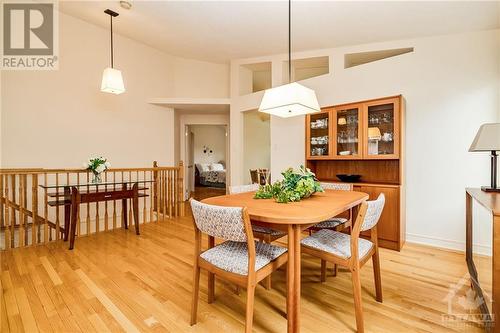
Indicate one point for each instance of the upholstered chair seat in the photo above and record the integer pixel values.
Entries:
(233, 256)
(268, 231)
(331, 223)
(336, 243)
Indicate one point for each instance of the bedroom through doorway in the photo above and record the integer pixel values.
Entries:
(206, 157)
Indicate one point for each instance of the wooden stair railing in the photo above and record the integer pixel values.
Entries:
(30, 214)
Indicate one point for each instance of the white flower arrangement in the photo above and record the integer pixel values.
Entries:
(97, 165)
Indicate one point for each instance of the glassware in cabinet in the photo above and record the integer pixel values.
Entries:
(348, 132)
(319, 134)
(382, 119)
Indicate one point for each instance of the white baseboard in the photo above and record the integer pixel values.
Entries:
(447, 244)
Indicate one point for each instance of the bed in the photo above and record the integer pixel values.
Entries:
(211, 175)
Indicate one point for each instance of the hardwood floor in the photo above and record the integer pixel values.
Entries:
(116, 281)
(203, 192)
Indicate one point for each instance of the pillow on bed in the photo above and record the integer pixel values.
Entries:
(202, 167)
(216, 167)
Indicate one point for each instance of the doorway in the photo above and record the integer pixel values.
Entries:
(206, 157)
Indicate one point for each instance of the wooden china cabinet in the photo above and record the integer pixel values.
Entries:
(364, 138)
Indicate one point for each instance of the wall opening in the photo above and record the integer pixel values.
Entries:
(306, 68)
(356, 59)
(255, 77)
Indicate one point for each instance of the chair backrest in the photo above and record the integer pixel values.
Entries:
(373, 212)
(227, 223)
(243, 188)
(337, 186)
(254, 176)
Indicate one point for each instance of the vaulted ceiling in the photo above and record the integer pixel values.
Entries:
(222, 30)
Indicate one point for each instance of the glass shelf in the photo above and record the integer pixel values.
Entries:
(347, 132)
(380, 129)
(319, 134)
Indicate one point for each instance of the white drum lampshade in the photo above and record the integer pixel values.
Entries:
(289, 100)
(112, 81)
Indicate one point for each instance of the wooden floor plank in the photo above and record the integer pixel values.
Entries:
(4, 319)
(116, 281)
(98, 324)
(27, 317)
(51, 271)
(12, 309)
(126, 324)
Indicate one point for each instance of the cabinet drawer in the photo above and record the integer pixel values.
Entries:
(105, 196)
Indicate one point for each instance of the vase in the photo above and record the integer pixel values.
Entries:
(97, 178)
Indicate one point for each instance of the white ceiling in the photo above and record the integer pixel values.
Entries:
(222, 30)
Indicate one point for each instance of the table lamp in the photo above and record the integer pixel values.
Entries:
(488, 139)
(374, 137)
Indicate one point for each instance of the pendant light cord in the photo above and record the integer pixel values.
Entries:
(111, 17)
(289, 41)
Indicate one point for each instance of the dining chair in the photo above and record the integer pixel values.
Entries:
(239, 259)
(336, 223)
(254, 176)
(260, 176)
(264, 234)
(264, 176)
(351, 251)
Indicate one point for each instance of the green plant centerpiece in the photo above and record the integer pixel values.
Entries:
(297, 184)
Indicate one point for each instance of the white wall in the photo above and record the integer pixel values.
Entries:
(1, 119)
(214, 138)
(256, 143)
(451, 87)
(193, 78)
(59, 118)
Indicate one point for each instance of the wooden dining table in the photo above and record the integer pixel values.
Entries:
(293, 218)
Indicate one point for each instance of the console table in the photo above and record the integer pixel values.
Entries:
(490, 201)
(76, 194)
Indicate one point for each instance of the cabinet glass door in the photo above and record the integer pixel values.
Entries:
(381, 129)
(347, 132)
(319, 135)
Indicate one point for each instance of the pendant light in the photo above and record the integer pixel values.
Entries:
(291, 99)
(112, 81)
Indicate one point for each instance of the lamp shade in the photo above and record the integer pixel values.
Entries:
(289, 100)
(112, 81)
(374, 133)
(487, 138)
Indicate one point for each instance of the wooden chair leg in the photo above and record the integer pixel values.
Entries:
(196, 289)
(335, 269)
(211, 288)
(237, 290)
(250, 303)
(267, 281)
(358, 307)
(376, 275)
(323, 270)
